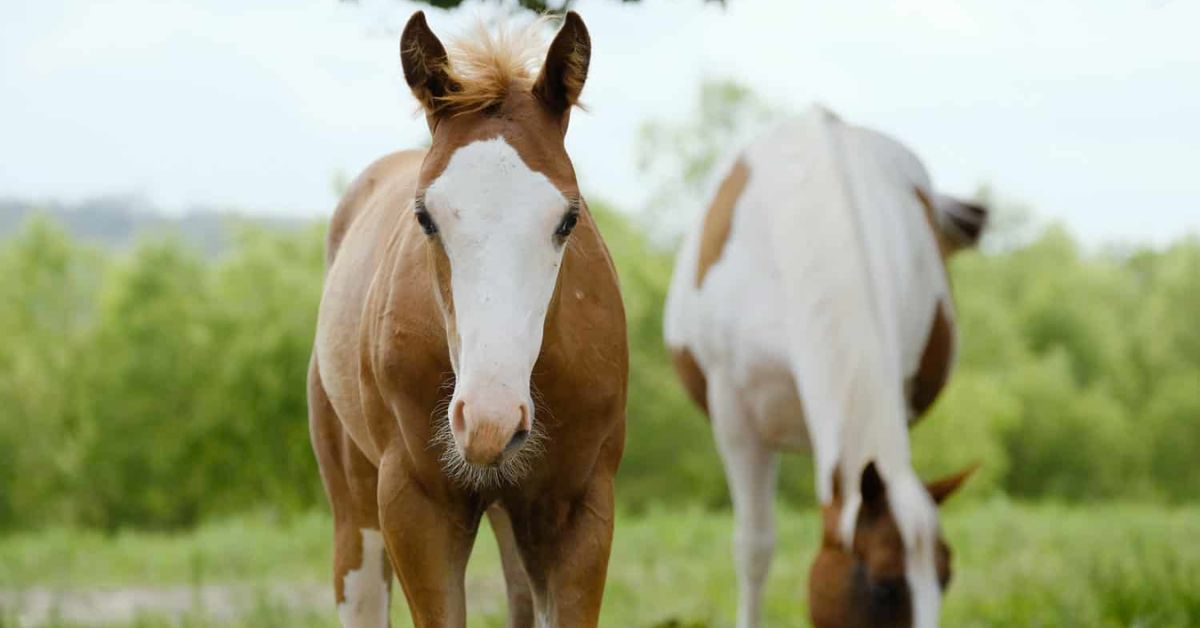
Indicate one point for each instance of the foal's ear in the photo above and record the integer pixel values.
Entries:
(942, 489)
(426, 64)
(566, 67)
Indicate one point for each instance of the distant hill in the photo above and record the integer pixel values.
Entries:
(118, 221)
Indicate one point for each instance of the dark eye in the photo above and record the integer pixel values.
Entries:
(567, 225)
(426, 222)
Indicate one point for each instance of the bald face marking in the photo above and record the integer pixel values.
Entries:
(503, 228)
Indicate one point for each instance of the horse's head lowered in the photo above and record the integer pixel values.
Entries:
(883, 561)
(497, 200)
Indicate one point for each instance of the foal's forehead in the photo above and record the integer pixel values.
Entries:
(489, 177)
(522, 124)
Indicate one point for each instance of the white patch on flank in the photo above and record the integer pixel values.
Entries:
(366, 603)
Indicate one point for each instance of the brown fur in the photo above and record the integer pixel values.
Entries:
(866, 586)
(692, 376)
(934, 368)
(385, 333)
(719, 219)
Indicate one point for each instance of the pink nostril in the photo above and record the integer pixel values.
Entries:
(458, 421)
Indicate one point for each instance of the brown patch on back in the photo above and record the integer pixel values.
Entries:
(719, 219)
(934, 368)
(692, 376)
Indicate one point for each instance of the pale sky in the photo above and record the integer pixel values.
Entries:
(1088, 111)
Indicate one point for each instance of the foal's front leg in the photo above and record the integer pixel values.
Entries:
(565, 545)
(516, 583)
(428, 543)
(361, 576)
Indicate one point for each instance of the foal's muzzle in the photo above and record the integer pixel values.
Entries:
(488, 427)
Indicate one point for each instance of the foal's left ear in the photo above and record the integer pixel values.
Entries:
(566, 67)
(941, 489)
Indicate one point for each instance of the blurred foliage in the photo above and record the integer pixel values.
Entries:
(152, 388)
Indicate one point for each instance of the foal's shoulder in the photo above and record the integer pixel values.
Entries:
(397, 168)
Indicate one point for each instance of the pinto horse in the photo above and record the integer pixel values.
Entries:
(470, 353)
(811, 309)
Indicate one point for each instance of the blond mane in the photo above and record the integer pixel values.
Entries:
(487, 64)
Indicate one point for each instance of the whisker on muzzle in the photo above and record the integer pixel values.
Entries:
(514, 465)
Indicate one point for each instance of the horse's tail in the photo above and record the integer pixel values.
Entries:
(961, 222)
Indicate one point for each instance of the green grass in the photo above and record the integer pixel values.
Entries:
(1015, 565)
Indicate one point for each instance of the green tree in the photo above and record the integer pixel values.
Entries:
(46, 302)
(151, 357)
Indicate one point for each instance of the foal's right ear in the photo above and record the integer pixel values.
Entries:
(426, 64)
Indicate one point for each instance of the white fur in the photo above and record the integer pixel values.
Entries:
(366, 604)
(496, 218)
(916, 517)
(811, 320)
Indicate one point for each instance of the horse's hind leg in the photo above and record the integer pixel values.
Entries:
(751, 469)
(362, 575)
(516, 582)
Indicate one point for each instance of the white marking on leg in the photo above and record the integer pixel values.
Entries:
(366, 591)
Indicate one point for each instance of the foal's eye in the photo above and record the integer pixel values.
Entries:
(426, 221)
(567, 225)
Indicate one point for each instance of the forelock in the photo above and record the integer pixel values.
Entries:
(488, 64)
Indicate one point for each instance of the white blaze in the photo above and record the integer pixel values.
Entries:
(496, 218)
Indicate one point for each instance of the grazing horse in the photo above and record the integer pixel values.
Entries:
(470, 352)
(811, 310)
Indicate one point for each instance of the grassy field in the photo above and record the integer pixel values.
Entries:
(1015, 565)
